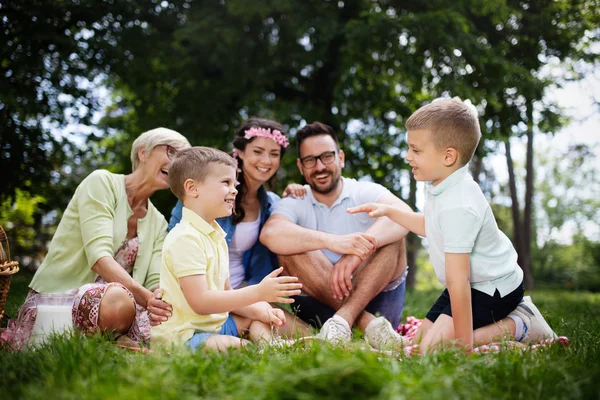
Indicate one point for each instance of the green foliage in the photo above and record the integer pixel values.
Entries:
(571, 266)
(17, 219)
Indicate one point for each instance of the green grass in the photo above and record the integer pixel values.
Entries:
(81, 368)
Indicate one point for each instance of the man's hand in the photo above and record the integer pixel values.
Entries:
(277, 289)
(341, 276)
(357, 244)
(375, 210)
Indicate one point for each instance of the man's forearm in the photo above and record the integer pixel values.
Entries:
(286, 238)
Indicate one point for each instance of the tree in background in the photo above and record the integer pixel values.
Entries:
(361, 66)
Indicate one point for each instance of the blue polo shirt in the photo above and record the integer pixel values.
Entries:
(312, 214)
(458, 219)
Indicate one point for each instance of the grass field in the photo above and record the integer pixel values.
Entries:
(93, 368)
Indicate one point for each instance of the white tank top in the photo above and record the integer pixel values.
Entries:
(245, 236)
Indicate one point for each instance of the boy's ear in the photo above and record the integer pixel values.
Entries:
(190, 188)
(450, 156)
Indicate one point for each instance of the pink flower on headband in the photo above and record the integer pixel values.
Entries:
(276, 135)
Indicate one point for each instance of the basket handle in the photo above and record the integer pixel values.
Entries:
(4, 238)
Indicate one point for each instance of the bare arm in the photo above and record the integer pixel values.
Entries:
(203, 301)
(459, 288)
(284, 237)
(386, 231)
(111, 271)
(402, 217)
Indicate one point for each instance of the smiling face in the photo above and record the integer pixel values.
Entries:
(155, 165)
(426, 160)
(214, 196)
(261, 159)
(322, 178)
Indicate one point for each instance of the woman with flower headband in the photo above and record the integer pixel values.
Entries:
(258, 147)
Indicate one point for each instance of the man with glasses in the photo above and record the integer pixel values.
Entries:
(352, 267)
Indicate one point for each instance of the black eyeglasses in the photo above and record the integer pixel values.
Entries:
(326, 157)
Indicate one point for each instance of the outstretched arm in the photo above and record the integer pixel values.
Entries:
(402, 216)
(272, 288)
(284, 237)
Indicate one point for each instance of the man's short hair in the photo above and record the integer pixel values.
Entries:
(452, 124)
(315, 129)
(156, 137)
(194, 163)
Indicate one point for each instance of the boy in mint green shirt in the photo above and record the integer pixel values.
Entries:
(477, 263)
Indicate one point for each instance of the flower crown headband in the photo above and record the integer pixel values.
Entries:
(274, 135)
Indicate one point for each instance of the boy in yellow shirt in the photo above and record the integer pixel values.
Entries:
(194, 275)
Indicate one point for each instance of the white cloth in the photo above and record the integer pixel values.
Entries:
(245, 236)
(458, 219)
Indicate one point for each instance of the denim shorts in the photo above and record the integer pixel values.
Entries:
(200, 337)
(387, 303)
(486, 309)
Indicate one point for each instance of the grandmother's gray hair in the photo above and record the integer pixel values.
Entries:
(156, 137)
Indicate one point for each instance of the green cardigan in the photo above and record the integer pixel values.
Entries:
(93, 226)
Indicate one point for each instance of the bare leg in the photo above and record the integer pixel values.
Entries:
(443, 331)
(223, 342)
(293, 327)
(386, 265)
(116, 312)
(313, 270)
(423, 329)
(503, 329)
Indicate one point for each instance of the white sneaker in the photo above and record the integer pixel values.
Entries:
(335, 330)
(380, 335)
(536, 326)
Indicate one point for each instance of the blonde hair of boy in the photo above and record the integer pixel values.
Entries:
(156, 137)
(194, 163)
(452, 124)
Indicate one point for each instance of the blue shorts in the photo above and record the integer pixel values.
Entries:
(388, 304)
(200, 337)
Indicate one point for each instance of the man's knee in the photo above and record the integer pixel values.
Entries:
(117, 310)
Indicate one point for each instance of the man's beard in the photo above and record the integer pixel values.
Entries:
(333, 186)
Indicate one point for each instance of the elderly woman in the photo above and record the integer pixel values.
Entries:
(107, 247)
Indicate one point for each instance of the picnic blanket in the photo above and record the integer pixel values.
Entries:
(410, 328)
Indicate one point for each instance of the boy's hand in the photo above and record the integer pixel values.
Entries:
(294, 190)
(268, 314)
(277, 289)
(375, 210)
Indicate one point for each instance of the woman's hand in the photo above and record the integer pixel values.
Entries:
(158, 310)
(294, 190)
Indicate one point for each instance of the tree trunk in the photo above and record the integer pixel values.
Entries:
(527, 216)
(516, 212)
(412, 241)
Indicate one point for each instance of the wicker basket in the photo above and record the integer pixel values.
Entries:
(7, 269)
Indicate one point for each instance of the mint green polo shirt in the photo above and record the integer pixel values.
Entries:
(459, 219)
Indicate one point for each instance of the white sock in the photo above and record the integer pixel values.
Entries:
(520, 327)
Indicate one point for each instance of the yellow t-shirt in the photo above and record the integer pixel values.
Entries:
(193, 247)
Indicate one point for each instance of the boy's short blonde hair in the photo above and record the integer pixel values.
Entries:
(194, 163)
(156, 137)
(452, 124)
